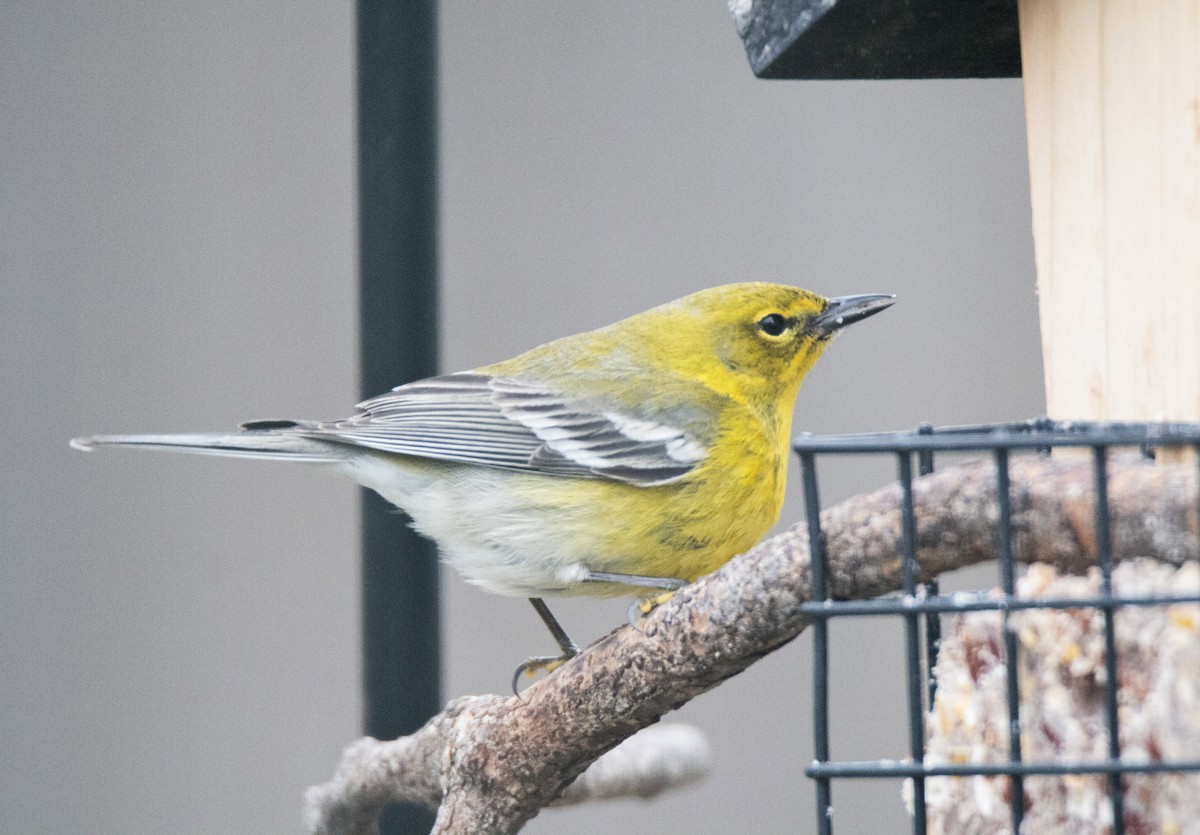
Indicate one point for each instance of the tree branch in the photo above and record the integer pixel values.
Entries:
(490, 764)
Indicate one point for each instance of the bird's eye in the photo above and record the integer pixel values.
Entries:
(773, 324)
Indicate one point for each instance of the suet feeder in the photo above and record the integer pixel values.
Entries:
(1112, 103)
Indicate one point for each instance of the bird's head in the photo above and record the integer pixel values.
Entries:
(759, 338)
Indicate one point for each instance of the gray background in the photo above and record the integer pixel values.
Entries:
(178, 636)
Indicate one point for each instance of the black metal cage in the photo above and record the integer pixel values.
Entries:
(920, 608)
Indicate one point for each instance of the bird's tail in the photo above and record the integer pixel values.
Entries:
(274, 439)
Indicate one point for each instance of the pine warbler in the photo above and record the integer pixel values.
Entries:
(629, 460)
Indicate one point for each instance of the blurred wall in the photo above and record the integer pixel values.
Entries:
(178, 636)
(177, 250)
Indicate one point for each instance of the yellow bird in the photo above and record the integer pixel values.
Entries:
(628, 460)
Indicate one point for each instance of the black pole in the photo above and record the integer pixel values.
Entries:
(397, 178)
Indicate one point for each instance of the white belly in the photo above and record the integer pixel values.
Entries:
(493, 537)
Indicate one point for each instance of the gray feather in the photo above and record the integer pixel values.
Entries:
(256, 443)
(465, 418)
(514, 424)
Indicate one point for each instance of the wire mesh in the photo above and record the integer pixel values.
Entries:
(921, 608)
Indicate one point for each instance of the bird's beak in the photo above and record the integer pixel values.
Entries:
(846, 310)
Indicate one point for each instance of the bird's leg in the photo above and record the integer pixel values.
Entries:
(637, 609)
(549, 663)
(666, 583)
(643, 606)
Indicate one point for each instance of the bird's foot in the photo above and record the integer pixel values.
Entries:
(638, 609)
(540, 663)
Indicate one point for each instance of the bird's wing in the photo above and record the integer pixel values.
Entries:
(514, 424)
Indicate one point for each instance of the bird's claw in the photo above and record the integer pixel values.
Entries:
(638, 609)
(532, 666)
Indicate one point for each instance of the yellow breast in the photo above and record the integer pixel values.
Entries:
(684, 529)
